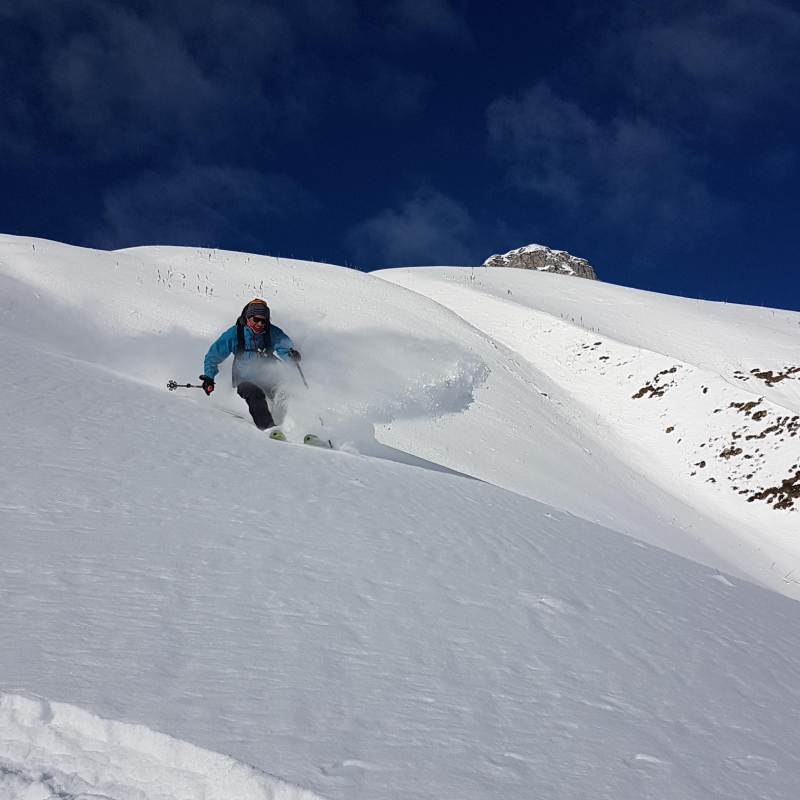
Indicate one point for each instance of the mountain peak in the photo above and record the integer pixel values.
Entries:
(543, 259)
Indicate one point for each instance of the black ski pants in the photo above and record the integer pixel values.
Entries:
(256, 399)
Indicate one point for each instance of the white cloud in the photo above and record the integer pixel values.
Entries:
(200, 205)
(728, 59)
(428, 229)
(627, 170)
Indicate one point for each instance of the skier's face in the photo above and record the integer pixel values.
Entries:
(257, 322)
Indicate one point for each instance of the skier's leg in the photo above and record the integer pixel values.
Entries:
(276, 400)
(257, 403)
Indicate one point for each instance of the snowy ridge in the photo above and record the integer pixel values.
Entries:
(58, 750)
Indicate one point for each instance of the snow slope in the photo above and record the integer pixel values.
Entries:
(703, 399)
(359, 627)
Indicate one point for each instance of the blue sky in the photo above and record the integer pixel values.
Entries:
(660, 141)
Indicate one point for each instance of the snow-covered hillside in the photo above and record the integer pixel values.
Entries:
(702, 399)
(180, 593)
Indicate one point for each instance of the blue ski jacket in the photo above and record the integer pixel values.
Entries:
(258, 349)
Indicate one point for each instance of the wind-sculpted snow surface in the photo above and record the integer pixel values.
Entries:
(54, 750)
(358, 627)
(365, 629)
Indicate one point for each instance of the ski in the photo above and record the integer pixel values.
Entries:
(309, 438)
(316, 441)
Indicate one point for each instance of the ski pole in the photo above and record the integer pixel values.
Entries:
(173, 385)
(280, 358)
(305, 383)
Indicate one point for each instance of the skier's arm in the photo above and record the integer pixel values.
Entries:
(219, 351)
(281, 343)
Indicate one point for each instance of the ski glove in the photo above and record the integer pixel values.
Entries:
(208, 384)
(293, 354)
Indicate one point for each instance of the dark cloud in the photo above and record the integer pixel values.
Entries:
(778, 163)
(336, 19)
(627, 171)
(133, 79)
(410, 18)
(430, 228)
(677, 83)
(400, 92)
(727, 59)
(393, 91)
(117, 92)
(128, 84)
(120, 79)
(209, 206)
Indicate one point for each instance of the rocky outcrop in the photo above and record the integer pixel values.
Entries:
(543, 259)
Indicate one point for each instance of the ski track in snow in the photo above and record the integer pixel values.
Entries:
(192, 599)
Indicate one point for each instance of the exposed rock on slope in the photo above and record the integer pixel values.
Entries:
(543, 259)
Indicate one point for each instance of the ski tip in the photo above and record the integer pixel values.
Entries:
(278, 436)
(310, 438)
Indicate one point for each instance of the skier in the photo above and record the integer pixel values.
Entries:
(254, 343)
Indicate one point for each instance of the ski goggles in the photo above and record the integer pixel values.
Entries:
(258, 320)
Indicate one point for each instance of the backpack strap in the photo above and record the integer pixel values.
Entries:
(266, 340)
(240, 322)
(241, 345)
